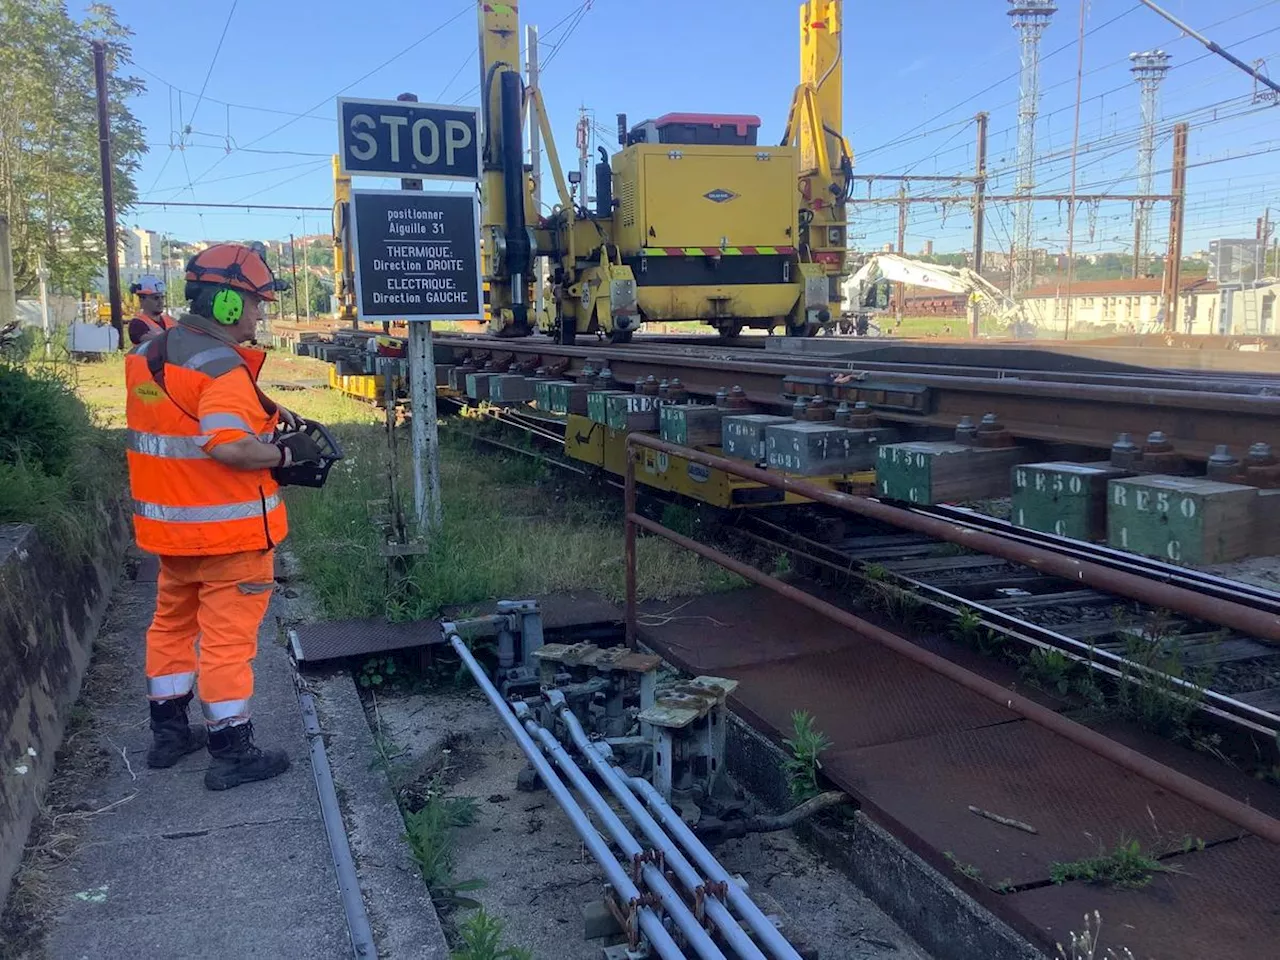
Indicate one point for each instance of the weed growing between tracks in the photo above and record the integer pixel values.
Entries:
(1126, 867)
(481, 936)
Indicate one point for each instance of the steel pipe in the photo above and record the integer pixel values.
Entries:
(650, 923)
(362, 942)
(1186, 787)
(734, 935)
(654, 878)
(1247, 620)
(738, 899)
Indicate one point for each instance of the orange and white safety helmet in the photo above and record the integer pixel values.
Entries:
(147, 285)
(234, 265)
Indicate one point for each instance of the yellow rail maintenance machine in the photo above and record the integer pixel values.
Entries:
(693, 218)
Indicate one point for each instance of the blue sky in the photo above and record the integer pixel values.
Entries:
(914, 72)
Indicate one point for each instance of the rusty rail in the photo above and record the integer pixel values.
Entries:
(1248, 620)
(1230, 809)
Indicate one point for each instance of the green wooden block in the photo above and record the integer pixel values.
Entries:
(597, 411)
(478, 385)
(511, 388)
(542, 394)
(1182, 519)
(565, 397)
(631, 411)
(742, 437)
(690, 424)
(931, 472)
(1069, 499)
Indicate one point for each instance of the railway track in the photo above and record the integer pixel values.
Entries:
(1084, 407)
(1227, 675)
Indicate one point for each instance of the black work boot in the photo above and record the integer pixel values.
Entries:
(172, 737)
(236, 760)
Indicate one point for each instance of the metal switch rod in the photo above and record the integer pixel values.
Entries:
(654, 878)
(650, 922)
(675, 858)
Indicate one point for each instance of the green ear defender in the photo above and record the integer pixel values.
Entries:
(228, 306)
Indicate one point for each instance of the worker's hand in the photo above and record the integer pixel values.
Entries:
(298, 448)
(290, 419)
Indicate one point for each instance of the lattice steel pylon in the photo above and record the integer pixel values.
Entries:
(1149, 69)
(1030, 18)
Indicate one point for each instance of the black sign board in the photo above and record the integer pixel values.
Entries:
(417, 255)
(397, 138)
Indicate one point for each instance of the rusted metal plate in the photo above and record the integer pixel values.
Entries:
(314, 642)
(1223, 904)
(861, 695)
(712, 633)
(1080, 804)
(559, 610)
(1194, 763)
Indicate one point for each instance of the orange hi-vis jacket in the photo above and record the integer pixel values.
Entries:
(188, 392)
(153, 324)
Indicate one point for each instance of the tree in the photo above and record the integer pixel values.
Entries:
(50, 180)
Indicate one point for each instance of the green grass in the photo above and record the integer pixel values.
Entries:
(481, 939)
(512, 527)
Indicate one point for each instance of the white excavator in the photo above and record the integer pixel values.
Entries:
(866, 293)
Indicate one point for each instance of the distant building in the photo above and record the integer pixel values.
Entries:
(1130, 305)
(139, 248)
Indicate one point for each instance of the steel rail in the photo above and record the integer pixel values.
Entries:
(1259, 384)
(1110, 664)
(1221, 705)
(1255, 623)
(1065, 412)
(1233, 590)
(1230, 809)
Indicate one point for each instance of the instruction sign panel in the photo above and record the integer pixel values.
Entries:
(417, 255)
(398, 138)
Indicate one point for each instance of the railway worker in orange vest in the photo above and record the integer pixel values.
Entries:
(151, 318)
(202, 450)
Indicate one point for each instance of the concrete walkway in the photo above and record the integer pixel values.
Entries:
(173, 870)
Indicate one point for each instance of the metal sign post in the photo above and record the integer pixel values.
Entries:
(417, 256)
(416, 253)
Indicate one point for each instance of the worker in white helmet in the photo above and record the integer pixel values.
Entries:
(151, 318)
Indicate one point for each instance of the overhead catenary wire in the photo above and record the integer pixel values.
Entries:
(369, 73)
(208, 73)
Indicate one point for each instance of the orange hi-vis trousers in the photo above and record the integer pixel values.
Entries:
(219, 601)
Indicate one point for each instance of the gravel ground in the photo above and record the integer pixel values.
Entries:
(537, 875)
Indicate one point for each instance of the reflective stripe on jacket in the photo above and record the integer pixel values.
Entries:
(185, 503)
